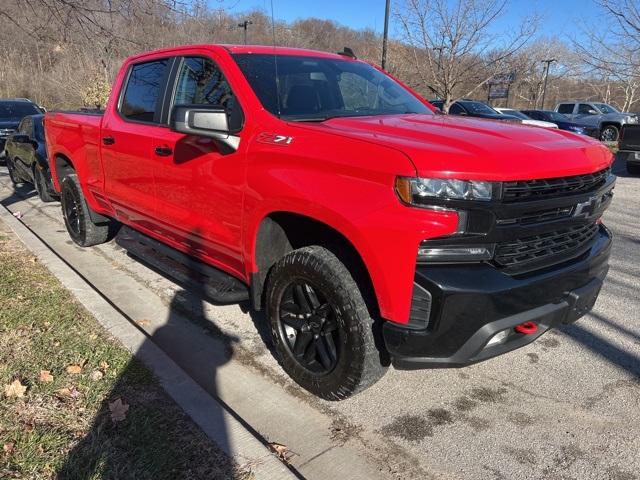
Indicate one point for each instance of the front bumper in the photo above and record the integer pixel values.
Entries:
(466, 305)
(630, 156)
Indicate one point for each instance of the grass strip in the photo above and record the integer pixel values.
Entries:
(74, 403)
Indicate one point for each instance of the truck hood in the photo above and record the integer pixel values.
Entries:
(476, 149)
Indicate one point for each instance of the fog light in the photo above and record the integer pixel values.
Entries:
(498, 338)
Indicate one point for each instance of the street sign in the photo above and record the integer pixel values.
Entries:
(502, 79)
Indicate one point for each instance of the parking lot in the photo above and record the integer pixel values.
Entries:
(566, 406)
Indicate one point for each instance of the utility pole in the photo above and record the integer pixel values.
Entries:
(385, 35)
(546, 76)
(244, 25)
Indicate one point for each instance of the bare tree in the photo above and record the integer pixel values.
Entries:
(455, 47)
(612, 50)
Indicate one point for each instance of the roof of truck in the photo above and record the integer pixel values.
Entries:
(244, 49)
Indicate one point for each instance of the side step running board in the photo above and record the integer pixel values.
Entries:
(216, 284)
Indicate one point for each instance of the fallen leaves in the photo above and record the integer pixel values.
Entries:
(118, 410)
(45, 376)
(15, 389)
(281, 452)
(67, 393)
(74, 369)
(144, 322)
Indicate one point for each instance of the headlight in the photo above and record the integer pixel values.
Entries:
(455, 253)
(632, 120)
(417, 191)
(577, 130)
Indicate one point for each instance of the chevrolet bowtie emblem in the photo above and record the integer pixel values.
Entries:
(588, 208)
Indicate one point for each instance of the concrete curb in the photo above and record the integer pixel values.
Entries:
(225, 430)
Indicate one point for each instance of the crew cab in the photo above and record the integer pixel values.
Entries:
(606, 118)
(372, 230)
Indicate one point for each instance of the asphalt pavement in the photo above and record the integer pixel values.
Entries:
(565, 407)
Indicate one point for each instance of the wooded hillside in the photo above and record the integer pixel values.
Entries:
(64, 54)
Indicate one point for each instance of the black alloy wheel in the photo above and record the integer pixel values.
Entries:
(13, 175)
(41, 185)
(77, 217)
(310, 327)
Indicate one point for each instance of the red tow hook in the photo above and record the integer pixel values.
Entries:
(527, 328)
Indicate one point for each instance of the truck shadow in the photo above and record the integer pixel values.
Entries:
(156, 435)
(608, 351)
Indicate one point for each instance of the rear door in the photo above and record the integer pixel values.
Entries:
(127, 142)
(23, 152)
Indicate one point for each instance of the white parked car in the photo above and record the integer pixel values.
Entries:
(525, 119)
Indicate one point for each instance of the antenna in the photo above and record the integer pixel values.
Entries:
(275, 61)
(348, 53)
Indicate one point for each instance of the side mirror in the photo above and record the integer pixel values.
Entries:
(20, 138)
(592, 112)
(210, 121)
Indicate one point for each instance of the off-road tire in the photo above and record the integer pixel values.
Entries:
(76, 215)
(41, 185)
(633, 168)
(320, 324)
(609, 133)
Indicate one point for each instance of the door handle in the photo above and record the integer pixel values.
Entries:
(163, 151)
(108, 140)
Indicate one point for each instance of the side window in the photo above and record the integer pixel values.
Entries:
(143, 88)
(202, 82)
(585, 108)
(456, 109)
(566, 108)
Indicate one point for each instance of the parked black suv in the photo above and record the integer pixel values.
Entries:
(11, 112)
(472, 108)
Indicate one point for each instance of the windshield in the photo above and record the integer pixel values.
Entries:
(16, 110)
(514, 113)
(316, 89)
(478, 107)
(604, 108)
(556, 117)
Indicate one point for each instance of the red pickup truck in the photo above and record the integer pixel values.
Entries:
(373, 230)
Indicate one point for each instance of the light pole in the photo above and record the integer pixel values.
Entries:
(546, 76)
(244, 25)
(385, 35)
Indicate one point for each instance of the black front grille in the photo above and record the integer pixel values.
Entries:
(553, 187)
(541, 247)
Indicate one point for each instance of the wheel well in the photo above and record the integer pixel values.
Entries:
(604, 125)
(281, 233)
(63, 167)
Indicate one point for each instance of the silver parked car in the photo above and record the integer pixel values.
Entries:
(526, 119)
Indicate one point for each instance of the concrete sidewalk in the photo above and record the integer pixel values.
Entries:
(223, 426)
